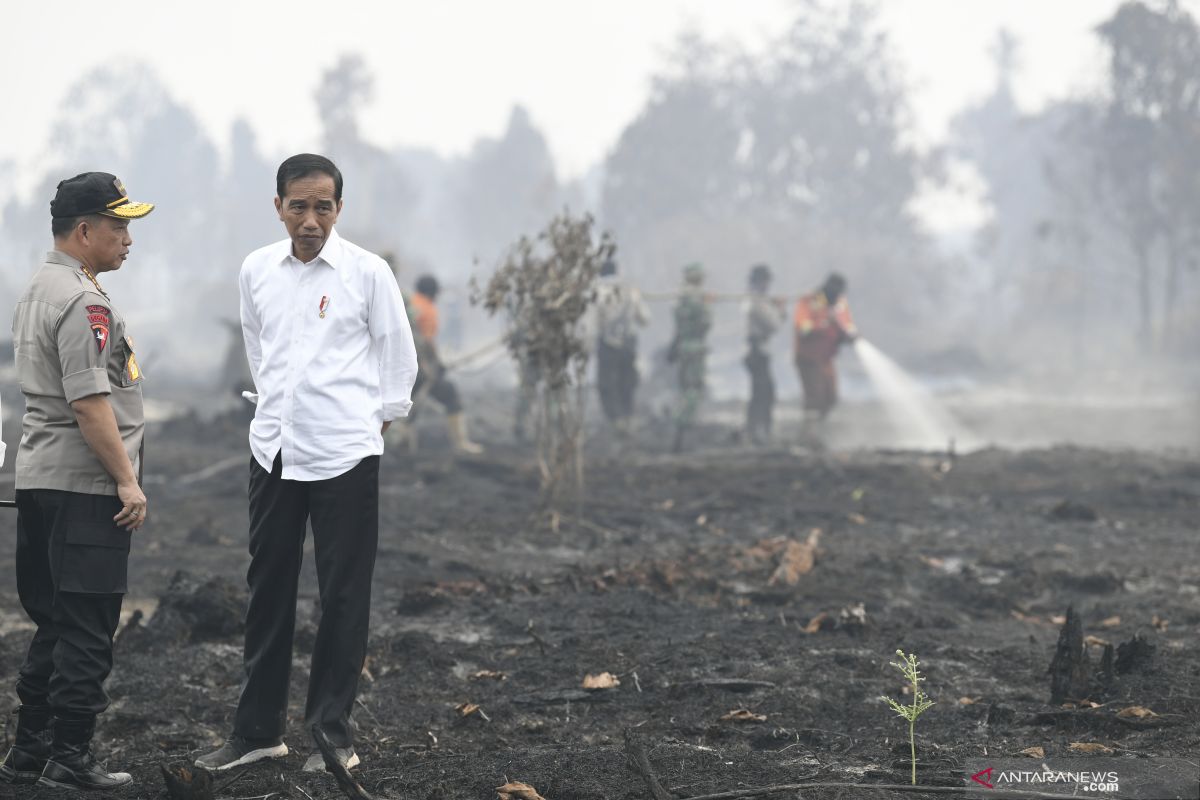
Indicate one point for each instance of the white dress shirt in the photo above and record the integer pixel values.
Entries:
(331, 352)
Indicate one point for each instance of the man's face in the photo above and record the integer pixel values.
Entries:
(106, 242)
(308, 210)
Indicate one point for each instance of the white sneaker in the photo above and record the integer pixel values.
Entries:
(238, 751)
(346, 755)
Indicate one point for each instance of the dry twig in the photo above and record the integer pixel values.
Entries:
(641, 762)
(347, 784)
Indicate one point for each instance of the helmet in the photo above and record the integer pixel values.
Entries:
(694, 272)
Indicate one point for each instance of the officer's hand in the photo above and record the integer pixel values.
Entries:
(133, 506)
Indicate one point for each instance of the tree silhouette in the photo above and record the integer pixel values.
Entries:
(507, 187)
(382, 198)
(1153, 142)
(796, 156)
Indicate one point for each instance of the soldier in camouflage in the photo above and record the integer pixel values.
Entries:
(689, 349)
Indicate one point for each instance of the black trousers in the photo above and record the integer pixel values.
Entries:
(617, 379)
(760, 410)
(344, 512)
(72, 567)
(443, 391)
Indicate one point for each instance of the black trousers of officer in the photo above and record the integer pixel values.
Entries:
(760, 410)
(344, 512)
(616, 379)
(72, 565)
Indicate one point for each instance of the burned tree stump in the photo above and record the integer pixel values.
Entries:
(1070, 669)
(192, 609)
(187, 783)
(1136, 654)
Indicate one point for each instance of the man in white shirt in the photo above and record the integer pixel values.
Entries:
(333, 361)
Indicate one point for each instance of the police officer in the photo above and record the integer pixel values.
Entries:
(764, 315)
(77, 481)
(620, 311)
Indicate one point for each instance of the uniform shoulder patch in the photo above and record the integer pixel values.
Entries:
(98, 319)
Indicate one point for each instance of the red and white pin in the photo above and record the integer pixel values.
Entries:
(324, 305)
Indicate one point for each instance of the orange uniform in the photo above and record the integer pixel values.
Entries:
(425, 316)
(820, 330)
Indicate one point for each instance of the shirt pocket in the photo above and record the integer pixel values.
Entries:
(131, 370)
(95, 558)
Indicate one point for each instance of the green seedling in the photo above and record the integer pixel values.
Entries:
(909, 668)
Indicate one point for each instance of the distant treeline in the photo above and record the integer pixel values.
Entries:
(797, 155)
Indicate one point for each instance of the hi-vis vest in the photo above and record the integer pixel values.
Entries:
(820, 327)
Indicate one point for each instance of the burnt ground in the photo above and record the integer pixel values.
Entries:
(667, 584)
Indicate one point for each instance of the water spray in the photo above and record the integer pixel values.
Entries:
(921, 422)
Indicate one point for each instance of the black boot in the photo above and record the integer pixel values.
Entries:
(71, 764)
(31, 747)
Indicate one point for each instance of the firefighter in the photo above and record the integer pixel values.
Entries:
(620, 312)
(764, 315)
(822, 325)
(424, 313)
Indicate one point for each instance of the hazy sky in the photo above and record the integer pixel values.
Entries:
(448, 72)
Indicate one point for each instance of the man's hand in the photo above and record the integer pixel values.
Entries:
(99, 428)
(133, 506)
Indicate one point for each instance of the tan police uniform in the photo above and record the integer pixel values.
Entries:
(71, 343)
(72, 558)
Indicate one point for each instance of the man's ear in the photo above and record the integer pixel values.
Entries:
(279, 207)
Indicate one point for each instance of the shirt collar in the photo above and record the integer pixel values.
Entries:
(62, 259)
(332, 253)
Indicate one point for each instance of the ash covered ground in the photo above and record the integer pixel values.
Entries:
(687, 579)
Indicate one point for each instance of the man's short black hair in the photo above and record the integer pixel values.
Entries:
(301, 166)
(61, 226)
(428, 286)
(834, 287)
(760, 274)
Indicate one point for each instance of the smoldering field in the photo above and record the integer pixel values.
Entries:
(682, 580)
(747, 600)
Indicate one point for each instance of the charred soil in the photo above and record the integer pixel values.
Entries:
(747, 602)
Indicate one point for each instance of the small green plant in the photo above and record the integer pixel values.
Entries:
(909, 668)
